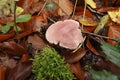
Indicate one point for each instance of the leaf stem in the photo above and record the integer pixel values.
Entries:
(15, 24)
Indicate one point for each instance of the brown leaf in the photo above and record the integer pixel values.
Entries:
(113, 32)
(89, 45)
(10, 63)
(37, 42)
(20, 72)
(101, 64)
(75, 57)
(65, 6)
(77, 70)
(6, 36)
(13, 49)
(31, 6)
(2, 72)
(25, 57)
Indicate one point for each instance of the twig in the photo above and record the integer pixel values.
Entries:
(42, 8)
(100, 36)
(94, 11)
(15, 24)
(74, 7)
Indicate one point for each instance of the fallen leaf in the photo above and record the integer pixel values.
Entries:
(75, 57)
(20, 72)
(77, 70)
(6, 36)
(13, 49)
(89, 45)
(115, 15)
(91, 3)
(113, 32)
(88, 22)
(66, 7)
(37, 42)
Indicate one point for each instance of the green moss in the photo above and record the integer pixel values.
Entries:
(48, 64)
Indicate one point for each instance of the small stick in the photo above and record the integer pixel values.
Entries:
(93, 34)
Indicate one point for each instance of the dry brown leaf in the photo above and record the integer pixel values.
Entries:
(75, 57)
(66, 6)
(113, 32)
(89, 45)
(37, 42)
(77, 70)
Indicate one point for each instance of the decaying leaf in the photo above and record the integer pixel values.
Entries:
(115, 15)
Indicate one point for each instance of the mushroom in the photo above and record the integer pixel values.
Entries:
(65, 33)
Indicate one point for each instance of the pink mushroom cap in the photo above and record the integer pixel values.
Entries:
(65, 33)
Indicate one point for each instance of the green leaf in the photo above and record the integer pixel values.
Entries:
(101, 24)
(112, 52)
(23, 18)
(6, 27)
(17, 28)
(50, 6)
(103, 75)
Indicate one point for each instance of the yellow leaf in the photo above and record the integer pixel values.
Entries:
(19, 10)
(91, 3)
(115, 15)
(88, 22)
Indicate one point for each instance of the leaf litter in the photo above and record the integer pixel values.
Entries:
(97, 57)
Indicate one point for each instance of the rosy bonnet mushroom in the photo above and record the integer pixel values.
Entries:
(66, 33)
